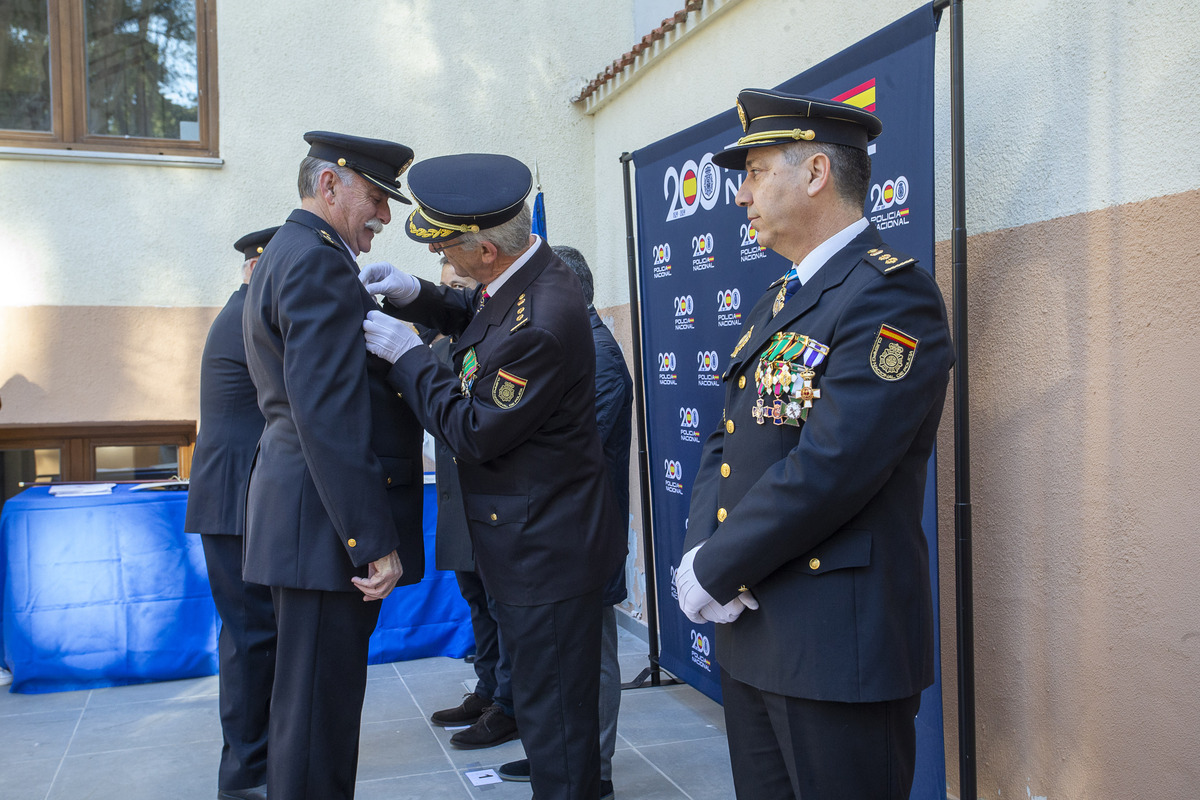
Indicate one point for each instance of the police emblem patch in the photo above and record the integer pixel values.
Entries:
(508, 389)
(893, 353)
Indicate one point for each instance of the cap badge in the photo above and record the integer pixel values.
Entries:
(742, 116)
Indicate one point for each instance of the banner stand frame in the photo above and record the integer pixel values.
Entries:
(653, 670)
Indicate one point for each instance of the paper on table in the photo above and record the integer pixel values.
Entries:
(80, 489)
(174, 484)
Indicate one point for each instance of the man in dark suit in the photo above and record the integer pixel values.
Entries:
(333, 514)
(804, 534)
(230, 424)
(518, 412)
(488, 710)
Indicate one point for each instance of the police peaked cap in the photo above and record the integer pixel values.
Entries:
(379, 161)
(770, 117)
(251, 245)
(465, 193)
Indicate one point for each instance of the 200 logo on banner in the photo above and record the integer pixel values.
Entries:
(692, 187)
(885, 198)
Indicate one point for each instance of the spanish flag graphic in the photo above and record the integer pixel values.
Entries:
(862, 96)
(689, 187)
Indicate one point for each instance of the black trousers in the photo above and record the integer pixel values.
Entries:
(789, 748)
(246, 658)
(555, 652)
(320, 680)
(492, 666)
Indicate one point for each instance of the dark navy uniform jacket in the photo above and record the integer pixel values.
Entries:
(614, 410)
(337, 482)
(823, 521)
(535, 491)
(230, 424)
(452, 550)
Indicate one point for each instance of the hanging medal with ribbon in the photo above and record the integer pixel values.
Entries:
(784, 378)
(470, 367)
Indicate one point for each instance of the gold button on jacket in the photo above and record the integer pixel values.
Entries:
(352, 542)
(724, 470)
(721, 514)
(814, 563)
(493, 517)
(729, 426)
(742, 382)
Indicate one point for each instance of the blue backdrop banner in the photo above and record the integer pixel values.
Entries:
(701, 268)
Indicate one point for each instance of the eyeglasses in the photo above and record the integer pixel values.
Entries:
(441, 247)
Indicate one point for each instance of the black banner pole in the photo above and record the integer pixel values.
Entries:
(964, 579)
(653, 671)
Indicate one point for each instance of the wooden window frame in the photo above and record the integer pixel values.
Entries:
(77, 442)
(68, 92)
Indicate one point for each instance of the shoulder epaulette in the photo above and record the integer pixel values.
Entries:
(524, 312)
(329, 240)
(887, 260)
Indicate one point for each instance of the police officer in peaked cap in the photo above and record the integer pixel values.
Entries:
(333, 513)
(517, 409)
(804, 541)
(230, 424)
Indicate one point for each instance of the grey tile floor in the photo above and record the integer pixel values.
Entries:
(162, 740)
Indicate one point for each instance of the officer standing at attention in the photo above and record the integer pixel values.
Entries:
(230, 424)
(517, 409)
(804, 536)
(333, 514)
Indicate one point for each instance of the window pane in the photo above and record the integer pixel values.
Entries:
(147, 462)
(142, 68)
(34, 465)
(25, 65)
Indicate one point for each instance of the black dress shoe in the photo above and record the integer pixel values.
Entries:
(466, 713)
(493, 727)
(253, 793)
(515, 770)
(606, 790)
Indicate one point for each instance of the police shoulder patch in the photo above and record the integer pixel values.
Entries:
(888, 260)
(507, 389)
(893, 353)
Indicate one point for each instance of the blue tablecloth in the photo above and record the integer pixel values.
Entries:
(107, 590)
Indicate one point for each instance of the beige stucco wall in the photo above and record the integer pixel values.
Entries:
(1085, 445)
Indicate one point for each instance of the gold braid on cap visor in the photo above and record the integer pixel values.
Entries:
(798, 134)
(448, 225)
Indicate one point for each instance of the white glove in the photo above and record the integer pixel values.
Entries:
(722, 614)
(397, 286)
(387, 337)
(692, 596)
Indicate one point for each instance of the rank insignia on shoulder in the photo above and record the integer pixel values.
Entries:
(329, 239)
(893, 353)
(887, 260)
(523, 314)
(508, 389)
